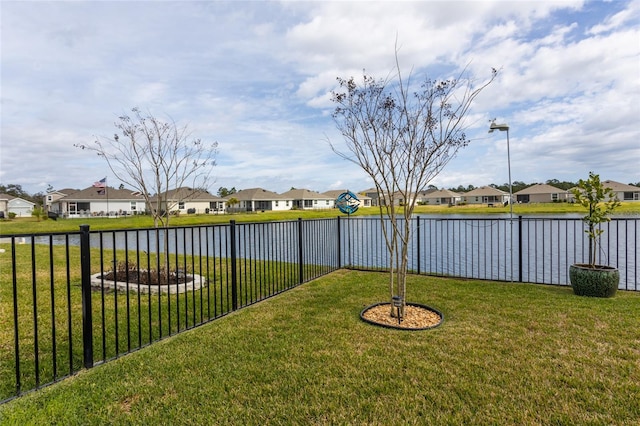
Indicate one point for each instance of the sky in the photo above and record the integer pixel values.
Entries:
(256, 78)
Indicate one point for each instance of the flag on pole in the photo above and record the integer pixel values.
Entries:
(102, 183)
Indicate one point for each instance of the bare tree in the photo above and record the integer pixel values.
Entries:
(402, 140)
(153, 156)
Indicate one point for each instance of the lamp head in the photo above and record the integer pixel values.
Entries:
(500, 127)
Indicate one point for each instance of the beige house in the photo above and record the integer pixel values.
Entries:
(365, 201)
(541, 193)
(486, 195)
(16, 205)
(194, 201)
(382, 199)
(440, 197)
(623, 191)
(258, 199)
(308, 200)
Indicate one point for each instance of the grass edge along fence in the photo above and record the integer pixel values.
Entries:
(56, 322)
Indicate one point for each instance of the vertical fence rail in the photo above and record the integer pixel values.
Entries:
(48, 290)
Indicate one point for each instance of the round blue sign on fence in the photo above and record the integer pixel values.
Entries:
(348, 202)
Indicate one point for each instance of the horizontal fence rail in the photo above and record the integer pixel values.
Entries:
(61, 311)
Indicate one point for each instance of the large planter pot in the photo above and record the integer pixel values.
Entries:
(598, 281)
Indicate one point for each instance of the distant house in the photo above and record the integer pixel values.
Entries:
(308, 200)
(440, 197)
(372, 194)
(17, 205)
(541, 193)
(486, 195)
(421, 198)
(623, 191)
(54, 196)
(189, 200)
(94, 201)
(365, 201)
(383, 199)
(258, 199)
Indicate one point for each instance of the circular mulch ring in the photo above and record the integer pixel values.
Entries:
(416, 316)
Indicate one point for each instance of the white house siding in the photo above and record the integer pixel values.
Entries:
(20, 207)
(200, 206)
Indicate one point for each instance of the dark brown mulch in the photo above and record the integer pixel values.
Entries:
(147, 278)
(415, 317)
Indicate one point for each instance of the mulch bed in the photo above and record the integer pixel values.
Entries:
(147, 278)
(416, 317)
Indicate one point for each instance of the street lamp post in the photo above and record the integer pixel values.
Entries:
(505, 128)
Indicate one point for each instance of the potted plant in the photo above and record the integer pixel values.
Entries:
(592, 279)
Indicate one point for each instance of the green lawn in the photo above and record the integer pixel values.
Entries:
(505, 354)
(31, 225)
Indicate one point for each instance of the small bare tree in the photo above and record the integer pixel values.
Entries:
(402, 140)
(153, 156)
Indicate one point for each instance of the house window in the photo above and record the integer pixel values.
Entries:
(554, 197)
(181, 205)
(628, 196)
(49, 197)
(133, 206)
(327, 202)
(287, 204)
(276, 203)
(308, 203)
(315, 201)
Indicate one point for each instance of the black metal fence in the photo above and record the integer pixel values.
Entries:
(60, 311)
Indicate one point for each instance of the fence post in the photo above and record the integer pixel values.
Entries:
(339, 245)
(234, 273)
(418, 242)
(300, 253)
(87, 318)
(520, 249)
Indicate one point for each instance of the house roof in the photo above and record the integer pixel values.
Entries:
(257, 194)
(620, 187)
(540, 188)
(485, 190)
(442, 193)
(304, 194)
(94, 194)
(427, 192)
(335, 193)
(190, 194)
(11, 198)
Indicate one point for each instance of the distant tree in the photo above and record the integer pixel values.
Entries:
(232, 202)
(565, 185)
(121, 186)
(402, 140)
(14, 190)
(153, 156)
(37, 213)
(49, 188)
(224, 192)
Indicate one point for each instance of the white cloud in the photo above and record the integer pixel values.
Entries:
(256, 76)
